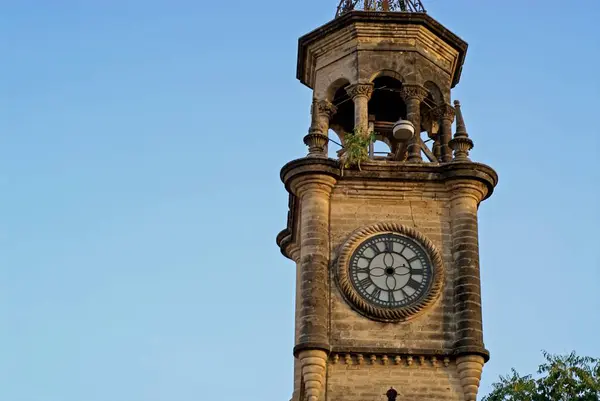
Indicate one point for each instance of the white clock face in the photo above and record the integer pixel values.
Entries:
(390, 271)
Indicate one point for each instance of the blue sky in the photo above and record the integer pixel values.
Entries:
(141, 143)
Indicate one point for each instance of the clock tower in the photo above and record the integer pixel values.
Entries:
(388, 301)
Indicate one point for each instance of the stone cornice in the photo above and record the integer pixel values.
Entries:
(284, 240)
(406, 353)
(420, 172)
(300, 167)
(353, 17)
(436, 360)
(453, 174)
(462, 351)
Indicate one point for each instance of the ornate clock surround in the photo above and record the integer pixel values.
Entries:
(382, 313)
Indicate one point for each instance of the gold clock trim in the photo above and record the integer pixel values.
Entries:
(389, 314)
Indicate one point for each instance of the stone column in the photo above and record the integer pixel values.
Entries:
(436, 148)
(324, 111)
(413, 95)
(312, 318)
(317, 138)
(360, 94)
(445, 115)
(469, 347)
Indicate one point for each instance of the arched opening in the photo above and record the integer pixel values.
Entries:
(343, 120)
(427, 105)
(434, 92)
(386, 103)
(380, 149)
(335, 144)
(386, 107)
(433, 99)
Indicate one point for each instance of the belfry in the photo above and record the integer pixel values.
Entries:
(388, 300)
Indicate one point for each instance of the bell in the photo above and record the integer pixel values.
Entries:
(403, 130)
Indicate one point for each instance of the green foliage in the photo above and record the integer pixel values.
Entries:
(356, 148)
(561, 378)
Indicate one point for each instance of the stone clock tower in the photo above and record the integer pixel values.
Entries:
(388, 303)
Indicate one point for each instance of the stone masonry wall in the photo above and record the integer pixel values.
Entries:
(423, 206)
(415, 383)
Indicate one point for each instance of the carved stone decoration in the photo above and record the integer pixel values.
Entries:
(461, 147)
(461, 144)
(313, 363)
(316, 143)
(382, 357)
(381, 313)
(469, 370)
(356, 90)
(360, 94)
(321, 113)
(326, 108)
(443, 112)
(413, 95)
(409, 92)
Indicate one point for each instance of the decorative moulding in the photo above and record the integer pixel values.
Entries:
(381, 313)
(353, 358)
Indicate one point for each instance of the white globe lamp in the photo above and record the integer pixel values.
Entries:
(403, 130)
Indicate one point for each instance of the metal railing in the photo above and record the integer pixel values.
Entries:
(414, 6)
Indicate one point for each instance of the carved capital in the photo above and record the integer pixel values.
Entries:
(413, 92)
(320, 184)
(443, 112)
(358, 90)
(466, 188)
(325, 108)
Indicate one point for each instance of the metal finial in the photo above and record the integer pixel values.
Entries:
(413, 6)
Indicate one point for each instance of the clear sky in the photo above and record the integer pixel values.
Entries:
(140, 148)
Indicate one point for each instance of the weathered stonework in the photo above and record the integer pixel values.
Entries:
(414, 377)
(360, 45)
(439, 201)
(346, 349)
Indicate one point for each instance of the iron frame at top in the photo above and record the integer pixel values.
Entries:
(414, 6)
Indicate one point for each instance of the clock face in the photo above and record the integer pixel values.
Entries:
(390, 271)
